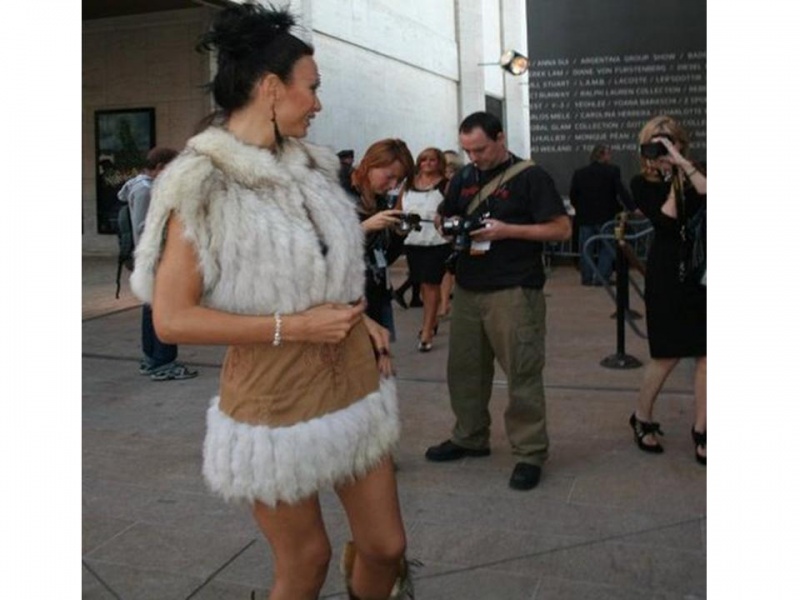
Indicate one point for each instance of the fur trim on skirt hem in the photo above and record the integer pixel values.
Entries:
(243, 462)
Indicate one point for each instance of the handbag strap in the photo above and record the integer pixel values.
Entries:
(488, 189)
(680, 205)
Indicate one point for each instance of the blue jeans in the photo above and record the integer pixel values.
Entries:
(604, 255)
(156, 352)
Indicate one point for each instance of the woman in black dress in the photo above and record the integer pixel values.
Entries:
(670, 190)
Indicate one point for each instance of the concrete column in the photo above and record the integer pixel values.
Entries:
(469, 37)
(514, 35)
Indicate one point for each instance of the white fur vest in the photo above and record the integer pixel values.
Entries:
(259, 222)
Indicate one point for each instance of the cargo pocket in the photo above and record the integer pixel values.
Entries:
(529, 350)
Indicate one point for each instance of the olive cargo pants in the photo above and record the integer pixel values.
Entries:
(508, 325)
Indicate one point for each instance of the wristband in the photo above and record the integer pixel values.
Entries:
(692, 172)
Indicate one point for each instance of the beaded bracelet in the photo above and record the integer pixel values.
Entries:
(692, 172)
(276, 339)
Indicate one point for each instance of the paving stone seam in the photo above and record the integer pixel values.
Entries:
(100, 580)
(567, 547)
(221, 568)
(120, 533)
(191, 594)
(109, 313)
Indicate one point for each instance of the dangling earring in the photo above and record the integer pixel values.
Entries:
(275, 129)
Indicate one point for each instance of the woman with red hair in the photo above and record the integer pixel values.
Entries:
(386, 164)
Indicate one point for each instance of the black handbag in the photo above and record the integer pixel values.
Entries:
(692, 265)
(697, 232)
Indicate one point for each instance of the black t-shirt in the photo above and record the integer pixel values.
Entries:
(530, 197)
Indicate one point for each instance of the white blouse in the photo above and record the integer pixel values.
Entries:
(423, 203)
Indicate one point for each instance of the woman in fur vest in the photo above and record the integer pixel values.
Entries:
(251, 242)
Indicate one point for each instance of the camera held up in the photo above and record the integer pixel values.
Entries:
(654, 150)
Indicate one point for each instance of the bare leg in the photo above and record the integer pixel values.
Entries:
(700, 399)
(300, 544)
(446, 289)
(430, 307)
(655, 374)
(373, 511)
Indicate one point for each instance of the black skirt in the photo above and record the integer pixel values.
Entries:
(426, 263)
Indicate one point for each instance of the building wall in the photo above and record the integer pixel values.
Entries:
(137, 62)
(622, 64)
(492, 48)
(389, 69)
(390, 99)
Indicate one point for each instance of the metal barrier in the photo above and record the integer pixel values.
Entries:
(630, 239)
(630, 242)
(569, 248)
(635, 248)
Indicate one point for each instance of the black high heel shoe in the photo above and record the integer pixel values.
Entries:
(643, 428)
(699, 441)
(398, 297)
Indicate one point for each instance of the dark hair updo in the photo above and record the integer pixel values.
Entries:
(250, 41)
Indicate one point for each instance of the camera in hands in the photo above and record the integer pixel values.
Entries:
(409, 222)
(459, 228)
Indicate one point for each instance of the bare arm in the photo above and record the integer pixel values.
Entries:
(696, 176)
(382, 220)
(558, 229)
(179, 318)
(691, 172)
(379, 336)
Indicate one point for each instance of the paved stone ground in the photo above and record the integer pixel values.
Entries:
(606, 522)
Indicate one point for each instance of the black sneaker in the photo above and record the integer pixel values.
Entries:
(525, 476)
(450, 451)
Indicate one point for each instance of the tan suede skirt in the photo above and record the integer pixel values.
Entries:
(262, 384)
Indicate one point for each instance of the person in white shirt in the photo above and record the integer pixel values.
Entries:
(426, 249)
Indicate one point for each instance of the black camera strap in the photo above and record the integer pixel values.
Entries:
(504, 177)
